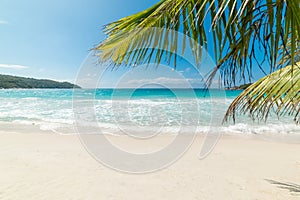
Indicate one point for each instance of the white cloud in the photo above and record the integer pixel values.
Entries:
(3, 22)
(165, 81)
(9, 66)
(42, 70)
(188, 69)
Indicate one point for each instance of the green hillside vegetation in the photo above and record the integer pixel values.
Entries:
(7, 81)
(241, 87)
(244, 87)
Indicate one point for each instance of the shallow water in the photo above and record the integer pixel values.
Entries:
(128, 110)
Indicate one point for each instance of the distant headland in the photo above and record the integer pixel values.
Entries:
(241, 87)
(7, 82)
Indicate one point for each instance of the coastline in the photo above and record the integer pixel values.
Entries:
(44, 165)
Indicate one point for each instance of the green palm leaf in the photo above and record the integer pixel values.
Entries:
(239, 28)
(279, 91)
(248, 26)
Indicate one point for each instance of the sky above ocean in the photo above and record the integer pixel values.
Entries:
(51, 39)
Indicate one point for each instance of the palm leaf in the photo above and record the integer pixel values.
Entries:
(248, 26)
(246, 33)
(279, 91)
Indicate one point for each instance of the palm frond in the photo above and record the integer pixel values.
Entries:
(238, 28)
(279, 91)
(246, 34)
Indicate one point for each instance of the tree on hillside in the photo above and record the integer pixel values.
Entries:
(239, 30)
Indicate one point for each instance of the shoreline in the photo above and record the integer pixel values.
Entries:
(45, 165)
(16, 127)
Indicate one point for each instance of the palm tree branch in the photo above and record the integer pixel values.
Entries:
(240, 20)
(278, 91)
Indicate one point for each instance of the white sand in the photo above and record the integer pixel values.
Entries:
(49, 166)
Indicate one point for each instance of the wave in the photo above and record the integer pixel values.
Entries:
(56, 111)
(71, 127)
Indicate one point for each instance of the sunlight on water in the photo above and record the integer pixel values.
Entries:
(138, 110)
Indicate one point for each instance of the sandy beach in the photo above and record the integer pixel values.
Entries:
(150, 100)
(44, 165)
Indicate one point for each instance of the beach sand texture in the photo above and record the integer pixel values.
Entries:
(39, 165)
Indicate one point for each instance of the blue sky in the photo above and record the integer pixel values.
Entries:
(51, 39)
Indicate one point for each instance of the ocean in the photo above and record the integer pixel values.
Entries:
(127, 110)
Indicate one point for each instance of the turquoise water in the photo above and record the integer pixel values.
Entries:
(137, 110)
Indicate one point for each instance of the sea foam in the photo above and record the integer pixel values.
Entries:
(147, 111)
